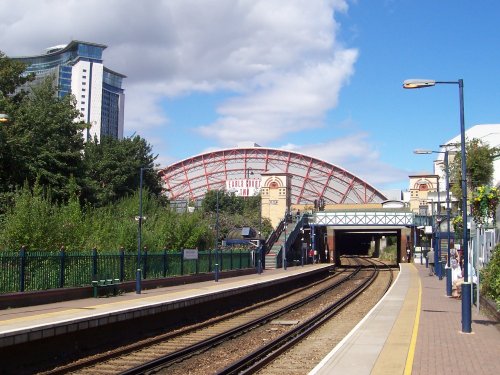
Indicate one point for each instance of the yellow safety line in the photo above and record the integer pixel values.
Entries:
(413, 342)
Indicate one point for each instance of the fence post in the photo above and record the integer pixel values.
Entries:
(209, 260)
(145, 258)
(61, 267)
(94, 263)
(122, 263)
(22, 267)
(165, 261)
(182, 262)
(221, 259)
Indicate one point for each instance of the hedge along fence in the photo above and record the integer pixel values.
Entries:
(40, 270)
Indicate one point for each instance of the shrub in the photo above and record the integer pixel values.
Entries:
(491, 277)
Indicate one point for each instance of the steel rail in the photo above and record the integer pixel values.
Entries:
(99, 358)
(191, 350)
(269, 352)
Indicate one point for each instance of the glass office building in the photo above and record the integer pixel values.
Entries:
(78, 69)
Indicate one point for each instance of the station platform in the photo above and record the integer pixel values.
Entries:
(28, 324)
(416, 329)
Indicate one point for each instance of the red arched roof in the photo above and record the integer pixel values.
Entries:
(311, 178)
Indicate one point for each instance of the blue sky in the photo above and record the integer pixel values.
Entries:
(319, 77)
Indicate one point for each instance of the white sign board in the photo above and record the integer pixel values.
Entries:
(190, 254)
(428, 229)
(244, 187)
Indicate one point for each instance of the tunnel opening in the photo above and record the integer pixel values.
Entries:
(373, 243)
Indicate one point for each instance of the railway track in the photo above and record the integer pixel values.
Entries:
(269, 352)
(182, 346)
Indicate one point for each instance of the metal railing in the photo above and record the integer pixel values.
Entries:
(40, 270)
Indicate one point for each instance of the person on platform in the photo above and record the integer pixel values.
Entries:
(456, 276)
(430, 259)
(408, 254)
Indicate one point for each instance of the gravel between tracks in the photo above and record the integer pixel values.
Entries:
(304, 356)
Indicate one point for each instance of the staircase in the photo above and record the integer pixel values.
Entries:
(273, 258)
(274, 255)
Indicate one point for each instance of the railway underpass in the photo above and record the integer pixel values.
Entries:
(332, 234)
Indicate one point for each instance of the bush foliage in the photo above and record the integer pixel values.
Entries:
(36, 222)
(491, 277)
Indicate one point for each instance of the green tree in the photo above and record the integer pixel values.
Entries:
(479, 166)
(30, 221)
(45, 140)
(11, 81)
(112, 169)
(235, 212)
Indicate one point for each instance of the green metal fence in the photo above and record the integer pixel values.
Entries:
(39, 270)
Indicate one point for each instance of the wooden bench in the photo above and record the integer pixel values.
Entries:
(106, 287)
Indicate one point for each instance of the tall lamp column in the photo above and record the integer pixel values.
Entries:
(216, 269)
(447, 186)
(448, 268)
(466, 286)
(138, 274)
(284, 244)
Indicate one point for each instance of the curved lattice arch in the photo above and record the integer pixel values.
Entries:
(312, 178)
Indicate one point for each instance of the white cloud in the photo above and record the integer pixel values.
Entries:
(356, 154)
(279, 60)
(283, 102)
(175, 47)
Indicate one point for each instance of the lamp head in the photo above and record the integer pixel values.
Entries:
(4, 117)
(417, 83)
(420, 151)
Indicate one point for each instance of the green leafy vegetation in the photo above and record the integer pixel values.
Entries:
(479, 167)
(490, 276)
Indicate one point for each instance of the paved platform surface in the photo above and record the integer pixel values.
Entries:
(31, 323)
(441, 346)
(416, 329)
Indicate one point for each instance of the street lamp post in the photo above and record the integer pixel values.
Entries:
(259, 264)
(284, 244)
(216, 269)
(466, 286)
(447, 182)
(138, 286)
